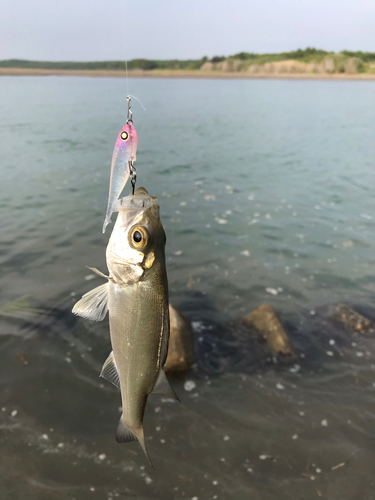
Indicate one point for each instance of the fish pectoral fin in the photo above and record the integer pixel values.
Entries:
(109, 371)
(94, 304)
(162, 387)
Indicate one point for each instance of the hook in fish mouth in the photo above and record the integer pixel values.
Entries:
(142, 190)
(140, 199)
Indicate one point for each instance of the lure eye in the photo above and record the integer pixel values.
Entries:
(139, 237)
(124, 136)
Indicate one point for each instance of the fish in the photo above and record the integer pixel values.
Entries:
(136, 298)
(125, 150)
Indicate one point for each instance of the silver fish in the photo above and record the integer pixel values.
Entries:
(136, 296)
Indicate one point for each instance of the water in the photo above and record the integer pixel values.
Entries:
(266, 194)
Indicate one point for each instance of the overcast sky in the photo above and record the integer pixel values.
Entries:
(82, 30)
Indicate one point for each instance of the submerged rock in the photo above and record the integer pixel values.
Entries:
(351, 319)
(181, 347)
(265, 321)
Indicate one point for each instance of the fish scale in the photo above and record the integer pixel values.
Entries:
(136, 325)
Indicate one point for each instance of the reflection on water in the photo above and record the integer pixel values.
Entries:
(266, 193)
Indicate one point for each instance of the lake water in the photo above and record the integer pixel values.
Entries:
(266, 191)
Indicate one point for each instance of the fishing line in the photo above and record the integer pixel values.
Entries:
(125, 44)
(136, 98)
(127, 77)
(126, 52)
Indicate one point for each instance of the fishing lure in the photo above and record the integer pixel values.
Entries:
(123, 157)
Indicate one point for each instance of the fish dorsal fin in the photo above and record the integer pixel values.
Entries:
(162, 386)
(94, 304)
(109, 371)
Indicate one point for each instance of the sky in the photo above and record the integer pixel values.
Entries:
(82, 30)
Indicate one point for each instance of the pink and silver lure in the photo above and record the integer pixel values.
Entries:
(125, 150)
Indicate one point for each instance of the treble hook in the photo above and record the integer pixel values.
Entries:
(130, 113)
(133, 174)
(132, 171)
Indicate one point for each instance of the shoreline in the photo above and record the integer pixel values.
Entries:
(195, 74)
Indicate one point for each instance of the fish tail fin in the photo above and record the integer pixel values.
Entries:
(141, 440)
(125, 435)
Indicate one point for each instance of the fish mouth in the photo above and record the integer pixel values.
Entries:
(140, 200)
(141, 190)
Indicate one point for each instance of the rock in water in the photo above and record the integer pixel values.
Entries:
(265, 321)
(351, 319)
(181, 347)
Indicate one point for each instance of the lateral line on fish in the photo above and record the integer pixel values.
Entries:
(159, 348)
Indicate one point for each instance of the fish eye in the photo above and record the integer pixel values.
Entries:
(139, 237)
(124, 136)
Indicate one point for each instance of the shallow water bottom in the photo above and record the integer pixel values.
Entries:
(300, 431)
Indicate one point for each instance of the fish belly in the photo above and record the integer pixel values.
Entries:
(136, 319)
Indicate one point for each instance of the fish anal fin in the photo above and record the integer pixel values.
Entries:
(94, 304)
(109, 371)
(162, 387)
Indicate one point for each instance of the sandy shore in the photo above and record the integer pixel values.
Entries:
(182, 74)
